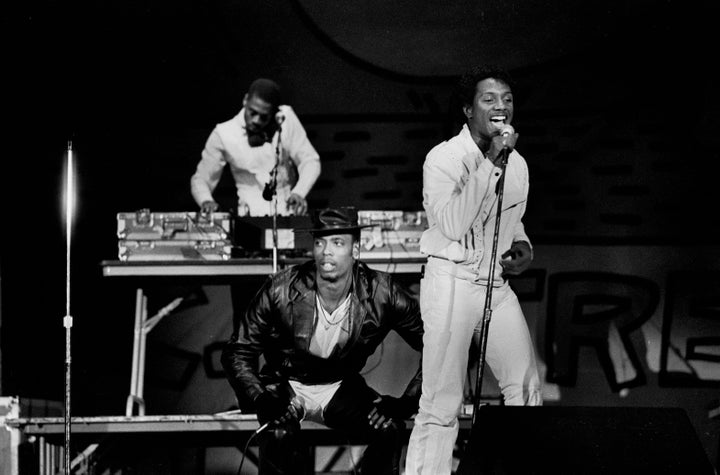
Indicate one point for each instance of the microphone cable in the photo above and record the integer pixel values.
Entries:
(247, 446)
(295, 402)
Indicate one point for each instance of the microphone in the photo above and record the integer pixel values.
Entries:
(297, 404)
(262, 428)
(506, 131)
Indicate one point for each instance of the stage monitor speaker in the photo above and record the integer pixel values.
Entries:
(584, 441)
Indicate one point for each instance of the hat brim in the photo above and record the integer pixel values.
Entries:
(334, 230)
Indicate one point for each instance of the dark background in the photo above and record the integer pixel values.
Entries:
(616, 106)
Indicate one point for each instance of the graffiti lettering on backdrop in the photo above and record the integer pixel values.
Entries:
(690, 350)
(588, 309)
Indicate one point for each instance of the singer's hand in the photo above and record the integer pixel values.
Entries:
(516, 259)
(297, 204)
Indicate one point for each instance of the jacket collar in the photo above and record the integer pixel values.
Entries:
(466, 140)
(305, 280)
(240, 118)
(301, 294)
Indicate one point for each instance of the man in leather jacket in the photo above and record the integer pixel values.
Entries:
(315, 325)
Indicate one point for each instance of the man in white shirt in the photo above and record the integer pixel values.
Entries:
(270, 156)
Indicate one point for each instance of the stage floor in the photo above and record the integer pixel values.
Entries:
(93, 438)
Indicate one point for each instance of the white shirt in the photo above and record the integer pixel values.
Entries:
(331, 330)
(251, 166)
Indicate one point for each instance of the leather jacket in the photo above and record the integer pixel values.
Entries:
(279, 323)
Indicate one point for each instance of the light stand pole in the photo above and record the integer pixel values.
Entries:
(68, 320)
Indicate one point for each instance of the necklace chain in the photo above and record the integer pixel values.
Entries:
(343, 296)
(325, 315)
(326, 312)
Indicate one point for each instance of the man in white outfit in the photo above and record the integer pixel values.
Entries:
(460, 198)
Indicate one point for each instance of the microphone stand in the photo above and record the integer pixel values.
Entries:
(481, 336)
(273, 180)
(275, 234)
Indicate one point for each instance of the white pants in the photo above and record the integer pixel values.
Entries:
(452, 306)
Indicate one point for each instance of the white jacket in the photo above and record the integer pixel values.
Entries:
(461, 203)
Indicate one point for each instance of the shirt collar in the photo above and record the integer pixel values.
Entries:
(241, 121)
(469, 145)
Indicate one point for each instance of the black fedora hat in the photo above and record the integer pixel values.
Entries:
(343, 220)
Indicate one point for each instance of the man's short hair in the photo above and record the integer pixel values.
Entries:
(467, 84)
(267, 90)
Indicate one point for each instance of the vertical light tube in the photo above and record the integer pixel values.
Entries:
(67, 320)
(69, 207)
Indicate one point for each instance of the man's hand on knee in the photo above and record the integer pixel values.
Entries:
(388, 409)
